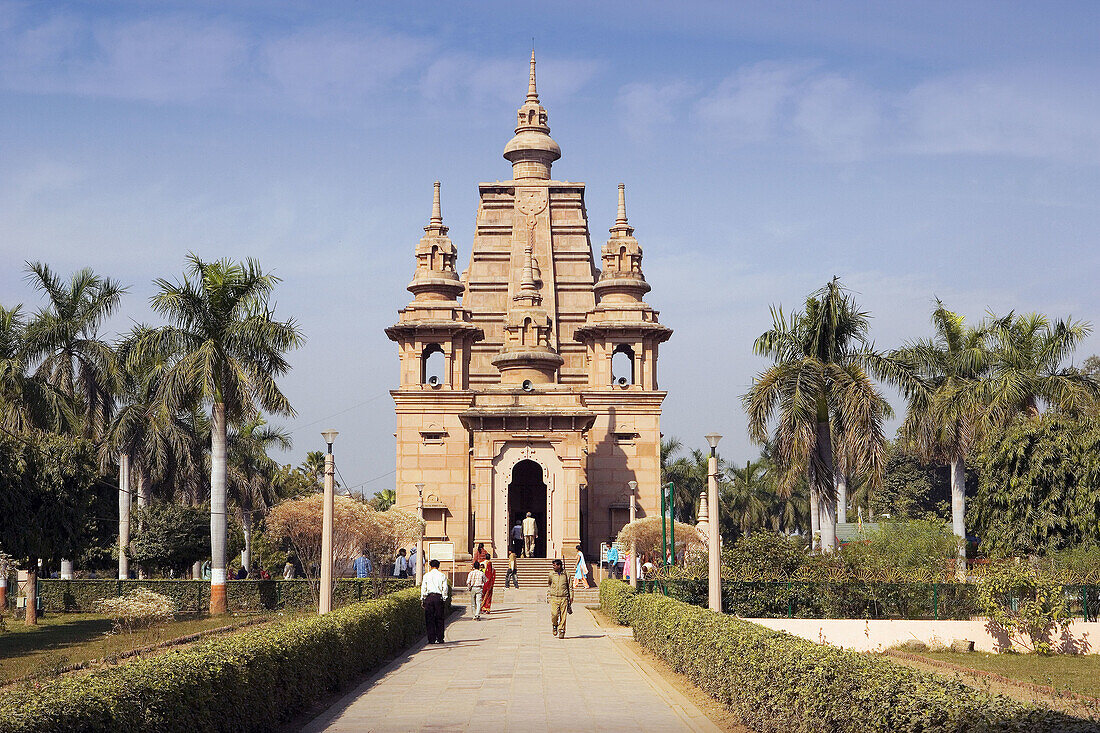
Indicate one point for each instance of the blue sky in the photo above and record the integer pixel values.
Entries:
(915, 149)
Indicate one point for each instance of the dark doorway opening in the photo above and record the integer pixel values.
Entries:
(527, 493)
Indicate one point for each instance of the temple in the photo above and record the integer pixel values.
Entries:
(529, 382)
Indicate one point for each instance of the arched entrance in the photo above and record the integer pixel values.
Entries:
(527, 493)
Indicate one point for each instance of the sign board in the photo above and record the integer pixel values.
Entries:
(442, 551)
(604, 547)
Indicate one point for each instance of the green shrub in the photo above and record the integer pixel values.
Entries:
(616, 598)
(193, 596)
(1025, 602)
(777, 682)
(252, 681)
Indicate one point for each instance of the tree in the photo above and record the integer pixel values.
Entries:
(251, 473)
(1040, 487)
(64, 335)
(45, 491)
(819, 380)
(384, 499)
(226, 348)
(171, 537)
(688, 475)
(26, 401)
(1026, 369)
(744, 500)
(948, 406)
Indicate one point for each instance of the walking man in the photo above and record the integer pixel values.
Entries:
(433, 591)
(517, 537)
(363, 566)
(475, 583)
(511, 574)
(561, 599)
(530, 534)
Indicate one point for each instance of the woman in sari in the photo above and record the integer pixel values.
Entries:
(487, 589)
(481, 554)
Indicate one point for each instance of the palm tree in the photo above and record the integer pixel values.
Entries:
(384, 499)
(744, 499)
(1026, 370)
(153, 443)
(948, 406)
(688, 475)
(226, 348)
(64, 335)
(820, 379)
(26, 401)
(250, 473)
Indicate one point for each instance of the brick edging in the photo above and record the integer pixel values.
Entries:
(1012, 681)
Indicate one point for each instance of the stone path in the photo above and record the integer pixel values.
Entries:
(506, 672)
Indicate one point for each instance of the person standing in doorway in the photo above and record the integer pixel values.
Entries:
(561, 599)
(511, 574)
(433, 592)
(517, 537)
(475, 583)
(530, 534)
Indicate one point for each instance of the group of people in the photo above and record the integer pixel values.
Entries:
(404, 565)
(524, 534)
(435, 590)
(622, 565)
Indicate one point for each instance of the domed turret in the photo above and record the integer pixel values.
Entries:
(532, 151)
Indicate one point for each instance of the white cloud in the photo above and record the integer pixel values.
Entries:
(646, 108)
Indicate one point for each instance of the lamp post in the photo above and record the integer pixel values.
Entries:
(420, 535)
(633, 545)
(714, 569)
(326, 525)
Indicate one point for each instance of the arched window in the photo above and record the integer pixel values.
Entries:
(531, 117)
(431, 365)
(622, 365)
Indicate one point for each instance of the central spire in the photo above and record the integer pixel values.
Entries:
(532, 151)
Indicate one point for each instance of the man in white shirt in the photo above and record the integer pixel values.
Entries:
(433, 591)
(475, 583)
(530, 533)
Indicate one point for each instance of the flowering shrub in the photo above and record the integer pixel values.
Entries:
(137, 610)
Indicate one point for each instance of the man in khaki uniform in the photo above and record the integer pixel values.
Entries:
(561, 598)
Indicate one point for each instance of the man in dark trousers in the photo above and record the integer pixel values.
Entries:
(561, 599)
(433, 591)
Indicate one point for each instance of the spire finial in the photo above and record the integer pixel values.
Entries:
(437, 212)
(621, 217)
(532, 92)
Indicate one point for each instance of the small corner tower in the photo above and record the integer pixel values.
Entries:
(622, 332)
(434, 332)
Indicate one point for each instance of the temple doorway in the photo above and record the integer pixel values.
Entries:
(527, 493)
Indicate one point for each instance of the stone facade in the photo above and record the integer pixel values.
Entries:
(538, 391)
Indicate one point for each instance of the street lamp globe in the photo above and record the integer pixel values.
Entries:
(633, 486)
(712, 440)
(329, 436)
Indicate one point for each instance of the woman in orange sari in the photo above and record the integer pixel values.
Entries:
(487, 589)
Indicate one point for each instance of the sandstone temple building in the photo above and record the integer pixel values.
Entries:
(529, 382)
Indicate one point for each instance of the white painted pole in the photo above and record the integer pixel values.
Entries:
(633, 545)
(714, 565)
(325, 605)
(420, 539)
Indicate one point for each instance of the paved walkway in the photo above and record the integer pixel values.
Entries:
(506, 672)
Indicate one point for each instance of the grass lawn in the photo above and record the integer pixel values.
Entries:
(1080, 674)
(61, 639)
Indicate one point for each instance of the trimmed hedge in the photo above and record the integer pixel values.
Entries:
(828, 599)
(777, 682)
(79, 596)
(252, 681)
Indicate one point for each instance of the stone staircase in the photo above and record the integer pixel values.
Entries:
(532, 572)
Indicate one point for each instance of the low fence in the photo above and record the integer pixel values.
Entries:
(194, 595)
(853, 599)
